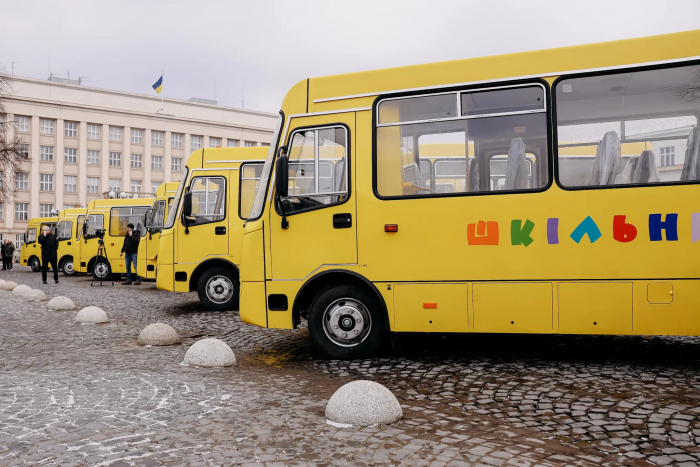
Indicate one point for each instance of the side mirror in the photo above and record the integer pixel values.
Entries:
(187, 205)
(282, 174)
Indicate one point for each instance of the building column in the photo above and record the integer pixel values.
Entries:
(205, 141)
(147, 166)
(34, 183)
(60, 160)
(167, 159)
(104, 160)
(9, 203)
(82, 164)
(126, 159)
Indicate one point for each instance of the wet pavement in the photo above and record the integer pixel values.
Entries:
(74, 394)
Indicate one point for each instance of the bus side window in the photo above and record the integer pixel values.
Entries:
(208, 200)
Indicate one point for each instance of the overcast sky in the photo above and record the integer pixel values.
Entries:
(258, 49)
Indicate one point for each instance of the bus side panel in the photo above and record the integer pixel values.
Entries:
(164, 279)
(282, 319)
(253, 309)
(595, 307)
(518, 307)
(431, 307)
(667, 307)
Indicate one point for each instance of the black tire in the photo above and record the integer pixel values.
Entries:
(339, 324)
(35, 264)
(218, 289)
(67, 267)
(101, 270)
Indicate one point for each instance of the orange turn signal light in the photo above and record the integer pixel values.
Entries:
(430, 305)
(391, 227)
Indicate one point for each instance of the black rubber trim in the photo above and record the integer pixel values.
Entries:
(240, 184)
(272, 166)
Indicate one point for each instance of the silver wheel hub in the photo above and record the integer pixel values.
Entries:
(68, 266)
(219, 289)
(347, 322)
(101, 269)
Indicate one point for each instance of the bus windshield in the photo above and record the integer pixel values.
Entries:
(259, 201)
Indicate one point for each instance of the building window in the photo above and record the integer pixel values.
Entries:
(177, 140)
(156, 138)
(668, 156)
(45, 210)
(136, 161)
(157, 162)
(19, 239)
(93, 185)
(22, 211)
(21, 181)
(46, 126)
(136, 186)
(21, 124)
(154, 188)
(115, 159)
(177, 164)
(46, 153)
(24, 151)
(46, 182)
(232, 143)
(70, 183)
(214, 142)
(2, 210)
(266, 145)
(93, 131)
(250, 144)
(136, 136)
(71, 155)
(115, 184)
(195, 142)
(2, 122)
(93, 157)
(71, 129)
(115, 133)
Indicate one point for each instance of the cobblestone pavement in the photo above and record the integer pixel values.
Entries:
(75, 394)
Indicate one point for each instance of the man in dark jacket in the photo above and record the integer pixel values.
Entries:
(8, 253)
(130, 250)
(2, 254)
(49, 252)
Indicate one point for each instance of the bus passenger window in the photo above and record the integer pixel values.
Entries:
(481, 141)
(628, 127)
(250, 180)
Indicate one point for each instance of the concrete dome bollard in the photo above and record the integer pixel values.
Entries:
(61, 303)
(363, 403)
(158, 334)
(210, 353)
(21, 289)
(91, 315)
(35, 295)
(8, 286)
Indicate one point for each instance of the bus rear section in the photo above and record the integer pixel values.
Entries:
(554, 204)
(154, 222)
(30, 254)
(68, 231)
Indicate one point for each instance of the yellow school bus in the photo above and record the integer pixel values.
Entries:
(68, 232)
(108, 218)
(200, 243)
(155, 220)
(30, 254)
(576, 239)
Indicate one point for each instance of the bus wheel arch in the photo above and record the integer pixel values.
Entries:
(67, 266)
(34, 263)
(217, 284)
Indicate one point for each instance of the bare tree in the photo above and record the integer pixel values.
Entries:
(10, 153)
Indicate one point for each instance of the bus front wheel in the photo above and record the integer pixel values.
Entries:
(35, 264)
(347, 321)
(101, 271)
(218, 289)
(67, 267)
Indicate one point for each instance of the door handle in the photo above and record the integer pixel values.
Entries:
(69, 243)
(221, 230)
(342, 221)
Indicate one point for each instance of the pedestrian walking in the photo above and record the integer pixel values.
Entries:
(8, 254)
(129, 251)
(49, 253)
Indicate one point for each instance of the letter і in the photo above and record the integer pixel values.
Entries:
(553, 231)
(485, 233)
(695, 226)
(622, 231)
(520, 235)
(670, 225)
(587, 226)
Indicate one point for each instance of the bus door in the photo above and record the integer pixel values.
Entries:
(318, 208)
(206, 232)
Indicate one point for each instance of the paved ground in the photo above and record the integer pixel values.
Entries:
(88, 395)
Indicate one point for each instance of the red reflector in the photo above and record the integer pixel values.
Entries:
(430, 305)
(391, 228)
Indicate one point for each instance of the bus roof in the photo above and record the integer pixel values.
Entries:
(167, 189)
(71, 212)
(358, 90)
(110, 203)
(200, 158)
(35, 221)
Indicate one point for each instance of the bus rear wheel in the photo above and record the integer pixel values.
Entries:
(347, 322)
(67, 267)
(101, 271)
(218, 289)
(35, 264)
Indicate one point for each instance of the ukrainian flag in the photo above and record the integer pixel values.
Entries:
(158, 87)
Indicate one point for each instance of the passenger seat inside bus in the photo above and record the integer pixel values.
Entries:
(691, 164)
(645, 171)
(628, 172)
(607, 162)
(516, 169)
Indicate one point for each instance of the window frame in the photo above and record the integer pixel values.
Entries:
(621, 70)
(189, 190)
(75, 186)
(97, 158)
(112, 218)
(42, 127)
(89, 235)
(480, 87)
(172, 164)
(66, 155)
(161, 137)
(136, 161)
(97, 187)
(153, 162)
(68, 128)
(58, 229)
(43, 183)
(240, 183)
(25, 212)
(348, 164)
(90, 134)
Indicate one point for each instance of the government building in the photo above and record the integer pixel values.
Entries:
(80, 142)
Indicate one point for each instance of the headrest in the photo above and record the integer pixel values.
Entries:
(691, 164)
(645, 171)
(516, 168)
(607, 161)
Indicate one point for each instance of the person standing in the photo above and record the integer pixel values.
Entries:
(2, 255)
(49, 253)
(129, 251)
(9, 253)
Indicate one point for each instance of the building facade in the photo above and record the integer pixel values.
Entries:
(79, 142)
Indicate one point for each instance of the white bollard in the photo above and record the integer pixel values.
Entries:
(158, 334)
(61, 303)
(363, 403)
(210, 353)
(91, 315)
